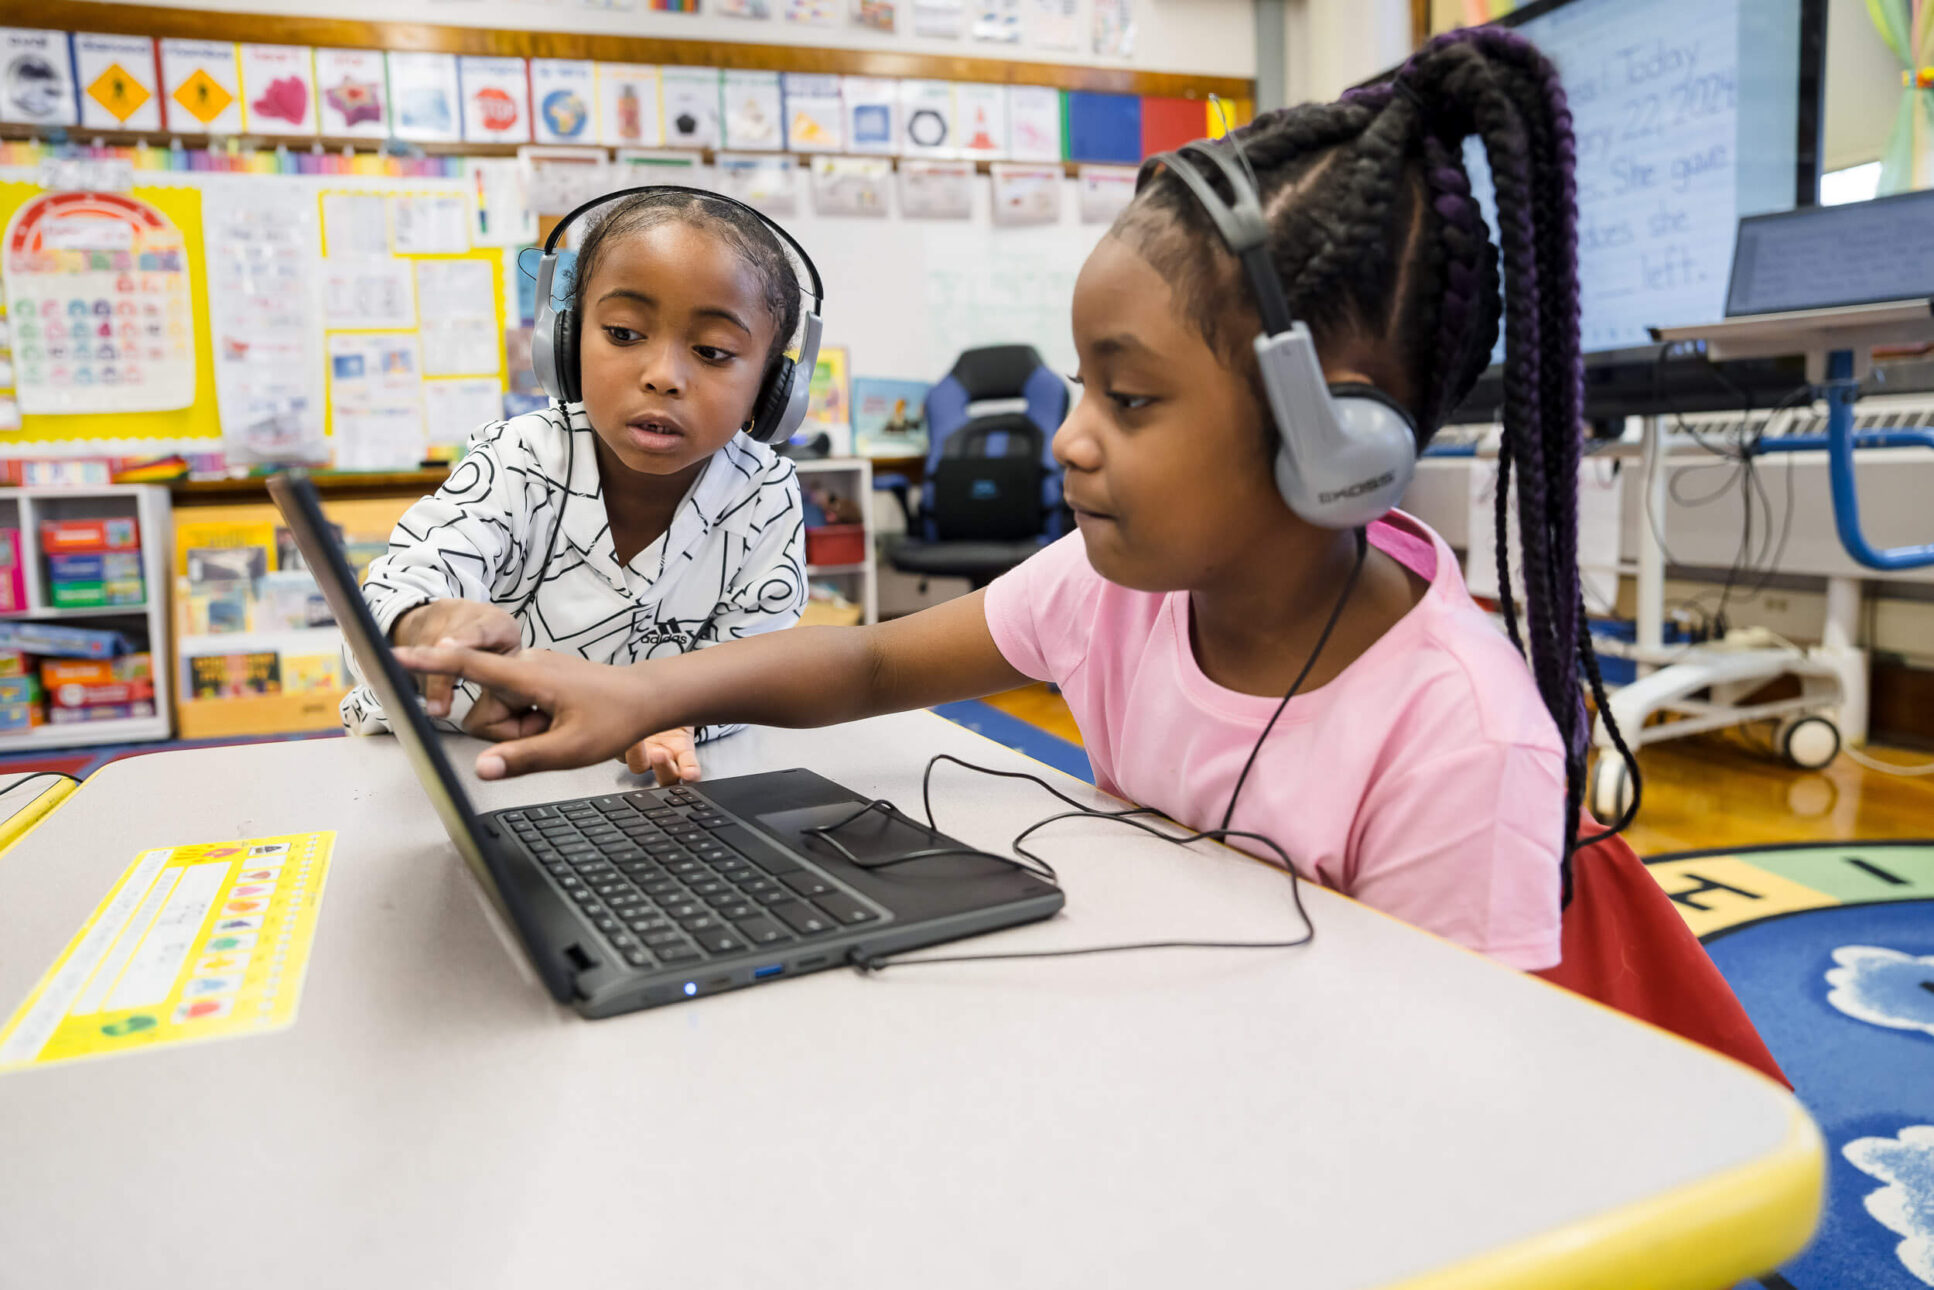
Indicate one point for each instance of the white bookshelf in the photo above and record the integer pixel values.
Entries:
(26, 509)
(852, 479)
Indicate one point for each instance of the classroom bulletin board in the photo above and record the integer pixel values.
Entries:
(102, 431)
(393, 335)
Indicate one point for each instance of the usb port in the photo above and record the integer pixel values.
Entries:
(769, 970)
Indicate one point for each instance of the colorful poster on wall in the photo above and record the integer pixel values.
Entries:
(423, 97)
(260, 241)
(430, 223)
(743, 8)
(119, 86)
(376, 400)
(872, 111)
(939, 19)
(927, 119)
(889, 417)
(351, 96)
(628, 106)
(201, 87)
(1034, 123)
(980, 116)
(997, 22)
(99, 301)
(814, 120)
(936, 189)
(691, 106)
(458, 306)
(500, 202)
(1105, 192)
(753, 116)
(278, 89)
(496, 100)
(827, 400)
(851, 186)
(564, 100)
(813, 13)
(770, 184)
(875, 15)
(1054, 24)
(364, 292)
(1026, 194)
(36, 78)
(1114, 28)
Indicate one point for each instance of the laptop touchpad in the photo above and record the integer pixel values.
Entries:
(871, 837)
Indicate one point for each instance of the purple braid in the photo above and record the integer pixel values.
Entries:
(1376, 236)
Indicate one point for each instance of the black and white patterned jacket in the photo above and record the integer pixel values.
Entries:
(732, 563)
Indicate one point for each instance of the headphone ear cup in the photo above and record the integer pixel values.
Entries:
(566, 348)
(769, 410)
(1357, 471)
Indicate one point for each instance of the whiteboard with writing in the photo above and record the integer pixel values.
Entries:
(1655, 95)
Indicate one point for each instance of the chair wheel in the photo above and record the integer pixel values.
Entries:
(1809, 743)
(1611, 788)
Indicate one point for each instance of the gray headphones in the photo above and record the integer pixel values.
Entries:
(1347, 449)
(780, 408)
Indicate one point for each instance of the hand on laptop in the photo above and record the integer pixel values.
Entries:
(468, 623)
(670, 755)
(555, 710)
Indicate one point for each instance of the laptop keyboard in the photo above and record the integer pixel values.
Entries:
(669, 881)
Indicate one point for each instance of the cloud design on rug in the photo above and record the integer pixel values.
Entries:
(1884, 987)
(1906, 1204)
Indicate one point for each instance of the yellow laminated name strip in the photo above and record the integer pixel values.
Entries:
(196, 942)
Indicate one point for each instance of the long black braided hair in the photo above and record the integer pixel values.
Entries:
(1342, 184)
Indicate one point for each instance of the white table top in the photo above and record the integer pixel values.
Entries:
(1371, 1108)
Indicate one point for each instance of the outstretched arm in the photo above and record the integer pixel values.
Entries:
(552, 711)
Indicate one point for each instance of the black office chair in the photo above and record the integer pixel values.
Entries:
(992, 496)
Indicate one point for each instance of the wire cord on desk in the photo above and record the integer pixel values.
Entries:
(1034, 864)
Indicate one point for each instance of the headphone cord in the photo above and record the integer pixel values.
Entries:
(1040, 868)
(1336, 614)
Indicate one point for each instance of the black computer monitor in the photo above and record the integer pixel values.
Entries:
(1689, 115)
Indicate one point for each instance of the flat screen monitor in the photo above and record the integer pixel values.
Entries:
(1688, 116)
(1823, 257)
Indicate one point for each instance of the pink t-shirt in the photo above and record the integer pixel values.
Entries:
(1427, 780)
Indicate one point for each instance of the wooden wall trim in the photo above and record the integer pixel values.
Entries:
(198, 24)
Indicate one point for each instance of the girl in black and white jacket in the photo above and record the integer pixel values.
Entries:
(639, 522)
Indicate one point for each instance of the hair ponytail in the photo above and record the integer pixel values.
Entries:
(1342, 184)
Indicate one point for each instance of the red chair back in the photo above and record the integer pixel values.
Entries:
(1626, 946)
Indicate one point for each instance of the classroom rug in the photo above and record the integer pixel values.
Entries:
(1022, 736)
(1831, 950)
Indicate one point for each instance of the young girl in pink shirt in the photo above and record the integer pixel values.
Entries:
(1229, 663)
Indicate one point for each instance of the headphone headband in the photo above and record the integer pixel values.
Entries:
(1344, 452)
(818, 292)
(785, 393)
(1242, 226)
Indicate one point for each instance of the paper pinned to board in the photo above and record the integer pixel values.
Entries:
(459, 311)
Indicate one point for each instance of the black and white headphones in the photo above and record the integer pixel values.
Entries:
(780, 408)
(1347, 449)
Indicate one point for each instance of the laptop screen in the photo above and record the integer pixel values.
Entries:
(295, 496)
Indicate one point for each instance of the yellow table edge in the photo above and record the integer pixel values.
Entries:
(1705, 1235)
(22, 822)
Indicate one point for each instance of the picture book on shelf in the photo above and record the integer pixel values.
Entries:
(232, 676)
(827, 402)
(226, 564)
(313, 673)
(889, 417)
(193, 536)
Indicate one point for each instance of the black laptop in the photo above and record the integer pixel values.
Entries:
(633, 899)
